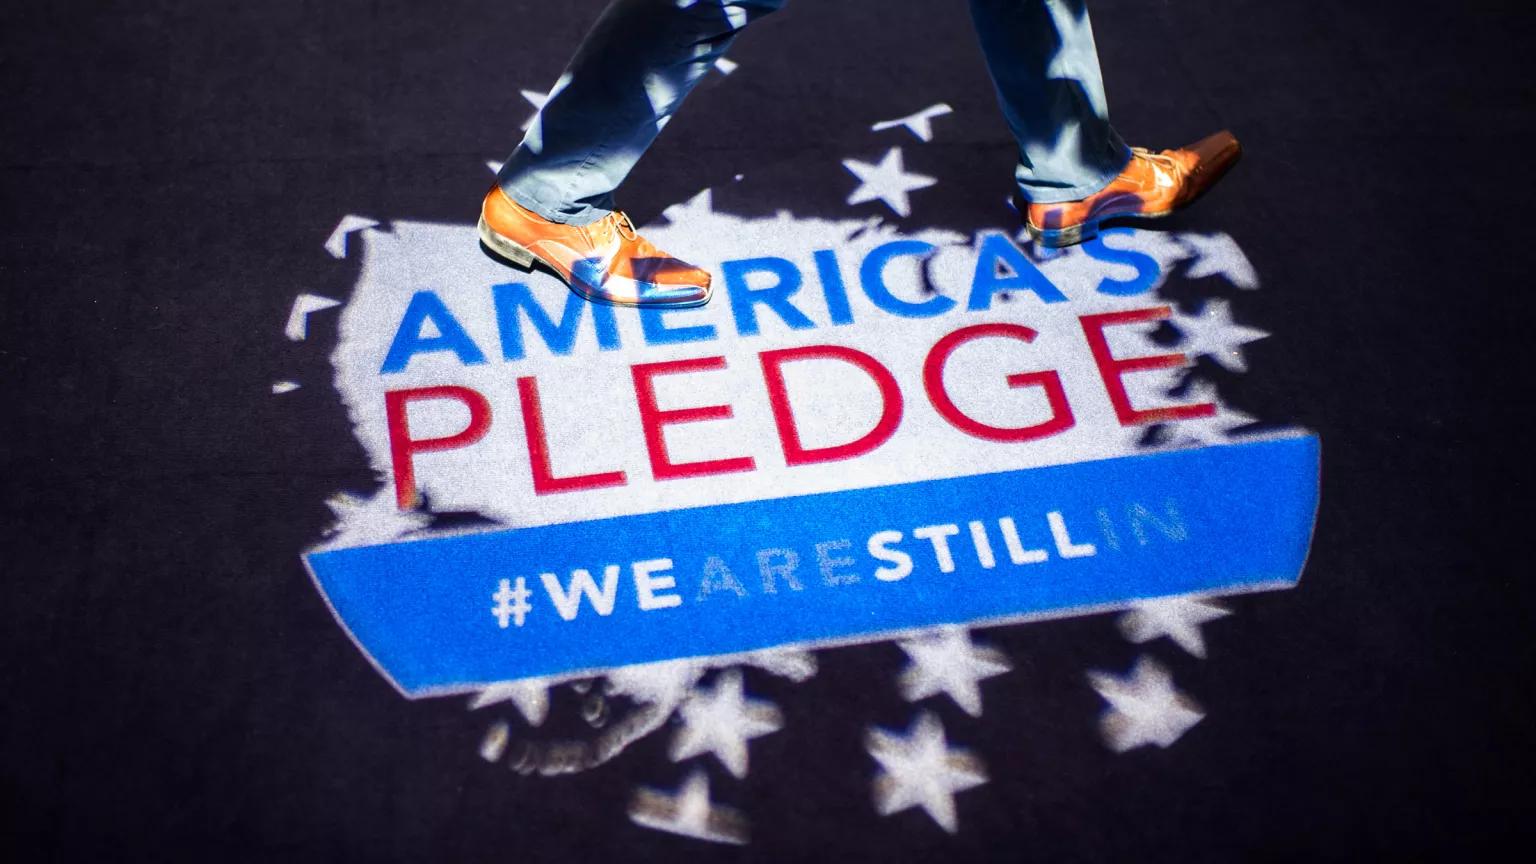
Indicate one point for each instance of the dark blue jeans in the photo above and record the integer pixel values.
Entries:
(643, 57)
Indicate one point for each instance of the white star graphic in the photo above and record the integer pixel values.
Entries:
(1215, 429)
(667, 682)
(663, 96)
(531, 696)
(721, 721)
(887, 181)
(919, 769)
(1219, 255)
(1163, 246)
(1062, 149)
(793, 663)
(297, 328)
(537, 100)
(1154, 388)
(534, 125)
(1076, 29)
(336, 243)
(364, 521)
(1214, 334)
(919, 124)
(1178, 618)
(1201, 391)
(688, 812)
(948, 662)
(697, 208)
(1144, 708)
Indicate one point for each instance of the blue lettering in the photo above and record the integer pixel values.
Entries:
(1146, 266)
(513, 299)
(832, 286)
(427, 306)
(1022, 275)
(656, 331)
(744, 298)
(872, 276)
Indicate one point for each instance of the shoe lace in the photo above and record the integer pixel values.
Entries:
(619, 221)
(616, 222)
(625, 227)
(1157, 158)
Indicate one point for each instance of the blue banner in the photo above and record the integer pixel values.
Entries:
(452, 613)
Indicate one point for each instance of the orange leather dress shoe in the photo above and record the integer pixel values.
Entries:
(605, 261)
(1152, 185)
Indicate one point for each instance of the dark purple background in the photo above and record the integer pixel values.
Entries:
(173, 688)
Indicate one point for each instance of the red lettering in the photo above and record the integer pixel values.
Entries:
(1111, 368)
(933, 381)
(653, 418)
(795, 453)
(544, 480)
(403, 448)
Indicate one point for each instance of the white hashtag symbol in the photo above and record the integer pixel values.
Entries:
(511, 603)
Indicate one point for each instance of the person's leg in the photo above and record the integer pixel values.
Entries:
(633, 70)
(1074, 171)
(1046, 70)
(553, 199)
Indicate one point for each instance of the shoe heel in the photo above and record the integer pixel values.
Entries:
(1060, 238)
(504, 248)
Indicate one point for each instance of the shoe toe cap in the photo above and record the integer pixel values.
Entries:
(670, 287)
(1220, 148)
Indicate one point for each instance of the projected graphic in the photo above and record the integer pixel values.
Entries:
(868, 434)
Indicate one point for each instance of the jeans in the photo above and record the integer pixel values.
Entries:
(643, 57)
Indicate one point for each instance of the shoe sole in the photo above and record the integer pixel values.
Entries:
(509, 250)
(1060, 238)
(523, 258)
